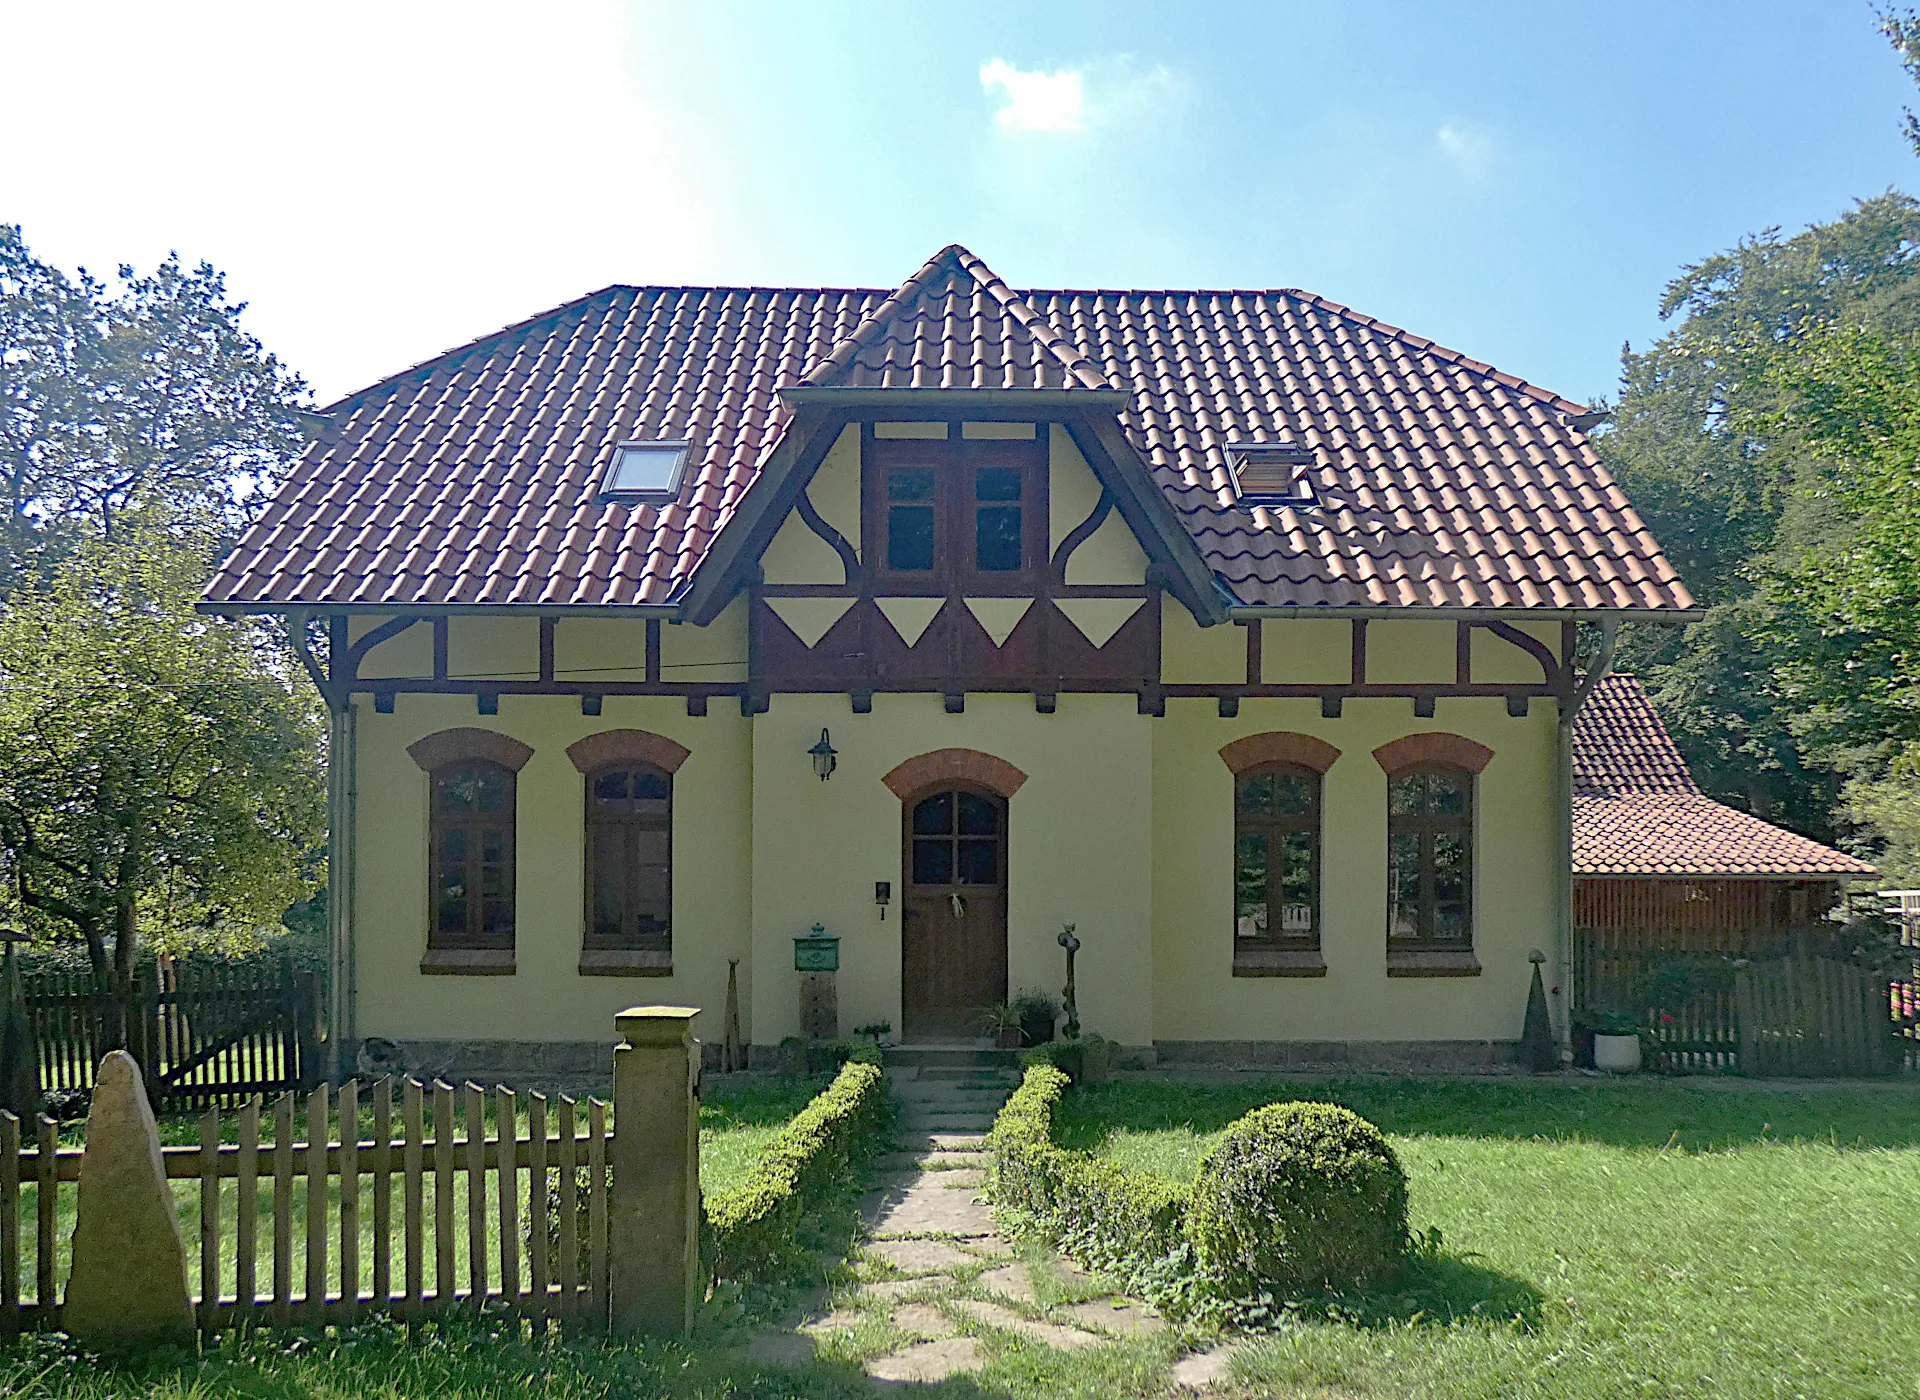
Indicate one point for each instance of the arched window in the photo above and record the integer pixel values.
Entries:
(629, 916)
(1276, 870)
(470, 882)
(1430, 859)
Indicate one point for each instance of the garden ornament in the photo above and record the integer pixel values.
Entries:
(1071, 1030)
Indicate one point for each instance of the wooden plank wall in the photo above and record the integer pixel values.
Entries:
(1697, 916)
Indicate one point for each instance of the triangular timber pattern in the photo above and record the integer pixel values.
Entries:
(910, 616)
(810, 618)
(1099, 618)
(998, 616)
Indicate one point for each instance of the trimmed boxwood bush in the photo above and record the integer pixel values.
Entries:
(752, 1231)
(1299, 1197)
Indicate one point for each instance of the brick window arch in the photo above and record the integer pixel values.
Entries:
(944, 767)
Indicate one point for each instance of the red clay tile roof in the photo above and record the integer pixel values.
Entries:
(955, 325)
(1637, 810)
(471, 479)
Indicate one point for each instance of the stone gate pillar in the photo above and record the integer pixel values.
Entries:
(653, 1220)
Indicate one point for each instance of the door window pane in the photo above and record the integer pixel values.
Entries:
(978, 816)
(932, 862)
(979, 862)
(935, 814)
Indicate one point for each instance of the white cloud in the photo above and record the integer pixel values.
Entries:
(1467, 147)
(1036, 101)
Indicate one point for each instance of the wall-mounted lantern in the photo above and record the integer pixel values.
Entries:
(825, 758)
(882, 893)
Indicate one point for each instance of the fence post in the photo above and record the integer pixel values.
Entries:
(653, 1226)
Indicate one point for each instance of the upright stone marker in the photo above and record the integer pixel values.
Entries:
(129, 1281)
(653, 1228)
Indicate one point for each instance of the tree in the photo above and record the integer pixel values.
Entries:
(146, 399)
(1734, 491)
(158, 774)
(1847, 606)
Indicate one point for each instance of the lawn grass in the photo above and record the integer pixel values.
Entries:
(1600, 1239)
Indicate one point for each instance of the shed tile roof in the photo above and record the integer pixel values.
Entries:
(1638, 811)
(470, 479)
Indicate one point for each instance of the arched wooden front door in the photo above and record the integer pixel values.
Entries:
(953, 937)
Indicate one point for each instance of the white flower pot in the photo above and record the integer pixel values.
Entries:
(1617, 1054)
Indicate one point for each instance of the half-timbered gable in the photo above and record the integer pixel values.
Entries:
(1236, 629)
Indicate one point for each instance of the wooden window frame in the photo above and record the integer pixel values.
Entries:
(953, 461)
(1423, 955)
(622, 958)
(1276, 953)
(474, 952)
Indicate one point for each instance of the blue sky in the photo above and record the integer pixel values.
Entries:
(382, 181)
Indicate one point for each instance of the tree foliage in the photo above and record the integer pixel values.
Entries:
(158, 771)
(144, 398)
(1738, 492)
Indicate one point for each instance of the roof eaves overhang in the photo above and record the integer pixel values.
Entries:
(1663, 616)
(816, 426)
(1149, 514)
(318, 607)
(1777, 876)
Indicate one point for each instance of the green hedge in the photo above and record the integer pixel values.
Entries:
(1125, 1222)
(1141, 1227)
(752, 1231)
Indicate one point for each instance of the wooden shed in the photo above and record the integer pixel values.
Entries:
(1660, 869)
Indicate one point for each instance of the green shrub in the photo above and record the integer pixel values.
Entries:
(752, 1232)
(1125, 1222)
(1299, 1197)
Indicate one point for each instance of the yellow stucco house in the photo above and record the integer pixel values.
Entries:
(1234, 628)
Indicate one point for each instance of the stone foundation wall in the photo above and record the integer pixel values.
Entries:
(513, 1063)
(1343, 1056)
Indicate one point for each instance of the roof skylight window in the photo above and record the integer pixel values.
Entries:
(645, 471)
(1273, 474)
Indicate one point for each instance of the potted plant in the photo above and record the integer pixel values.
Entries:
(1616, 1042)
(1002, 1022)
(1036, 1012)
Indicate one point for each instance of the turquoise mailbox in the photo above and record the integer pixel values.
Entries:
(817, 951)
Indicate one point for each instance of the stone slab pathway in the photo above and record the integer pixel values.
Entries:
(936, 1269)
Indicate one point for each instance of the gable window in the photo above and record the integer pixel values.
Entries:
(960, 512)
(471, 882)
(1276, 871)
(630, 866)
(910, 519)
(1430, 868)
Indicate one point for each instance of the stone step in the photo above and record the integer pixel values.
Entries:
(956, 1056)
(947, 1122)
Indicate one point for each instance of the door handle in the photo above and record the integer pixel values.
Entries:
(959, 906)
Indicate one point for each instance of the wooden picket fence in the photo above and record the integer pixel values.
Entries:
(406, 1204)
(1807, 1015)
(204, 1035)
(1696, 1032)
